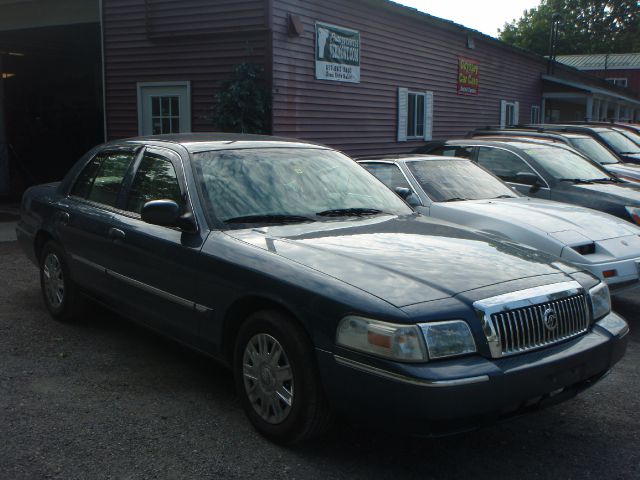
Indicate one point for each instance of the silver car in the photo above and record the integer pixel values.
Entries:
(460, 191)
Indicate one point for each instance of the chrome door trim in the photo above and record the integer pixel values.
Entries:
(410, 380)
(145, 287)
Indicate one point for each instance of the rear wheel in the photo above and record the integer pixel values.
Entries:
(58, 291)
(277, 380)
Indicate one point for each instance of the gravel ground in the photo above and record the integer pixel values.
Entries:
(106, 399)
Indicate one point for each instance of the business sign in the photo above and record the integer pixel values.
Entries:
(468, 76)
(337, 53)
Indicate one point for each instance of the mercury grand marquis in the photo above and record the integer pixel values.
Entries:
(321, 289)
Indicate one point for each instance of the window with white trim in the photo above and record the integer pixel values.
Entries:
(509, 113)
(620, 82)
(415, 115)
(535, 114)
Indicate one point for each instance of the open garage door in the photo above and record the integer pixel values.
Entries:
(51, 94)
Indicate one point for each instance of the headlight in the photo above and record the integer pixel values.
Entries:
(600, 300)
(397, 342)
(448, 339)
(634, 212)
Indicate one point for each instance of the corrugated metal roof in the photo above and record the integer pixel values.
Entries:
(598, 61)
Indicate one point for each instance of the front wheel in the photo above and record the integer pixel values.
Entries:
(277, 380)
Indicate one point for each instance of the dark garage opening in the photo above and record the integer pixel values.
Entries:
(52, 81)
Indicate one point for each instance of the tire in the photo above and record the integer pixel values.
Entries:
(282, 396)
(60, 294)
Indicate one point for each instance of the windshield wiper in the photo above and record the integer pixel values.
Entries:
(628, 153)
(575, 180)
(269, 219)
(349, 212)
(504, 196)
(606, 180)
(456, 199)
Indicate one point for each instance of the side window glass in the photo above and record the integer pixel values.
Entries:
(108, 179)
(392, 177)
(453, 151)
(506, 165)
(155, 179)
(85, 180)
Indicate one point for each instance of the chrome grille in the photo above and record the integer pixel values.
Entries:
(532, 327)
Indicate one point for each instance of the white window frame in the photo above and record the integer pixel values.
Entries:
(403, 114)
(185, 114)
(505, 106)
(619, 81)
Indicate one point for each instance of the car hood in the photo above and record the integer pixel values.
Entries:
(403, 260)
(630, 170)
(545, 216)
(628, 193)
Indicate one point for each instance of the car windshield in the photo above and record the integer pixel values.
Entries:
(594, 150)
(619, 143)
(633, 136)
(564, 164)
(454, 180)
(289, 184)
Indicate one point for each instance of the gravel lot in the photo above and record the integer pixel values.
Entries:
(106, 399)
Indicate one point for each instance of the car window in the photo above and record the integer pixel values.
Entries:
(502, 163)
(101, 179)
(392, 177)
(453, 151)
(565, 164)
(594, 150)
(155, 179)
(454, 180)
(619, 143)
(288, 182)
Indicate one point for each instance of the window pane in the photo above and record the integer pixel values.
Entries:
(175, 125)
(420, 116)
(155, 106)
(157, 126)
(501, 163)
(155, 180)
(85, 179)
(106, 186)
(411, 120)
(175, 107)
(166, 125)
(165, 107)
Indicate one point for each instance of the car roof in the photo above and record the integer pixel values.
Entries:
(406, 157)
(577, 128)
(204, 142)
(525, 132)
(501, 141)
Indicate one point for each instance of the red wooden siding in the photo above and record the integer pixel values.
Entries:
(632, 76)
(398, 50)
(202, 43)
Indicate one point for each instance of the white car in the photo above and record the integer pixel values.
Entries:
(459, 191)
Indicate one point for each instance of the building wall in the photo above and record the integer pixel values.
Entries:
(400, 48)
(632, 76)
(199, 41)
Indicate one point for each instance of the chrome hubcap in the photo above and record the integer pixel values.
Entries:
(53, 280)
(268, 379)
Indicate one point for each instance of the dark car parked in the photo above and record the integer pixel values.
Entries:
(625, 148)
(319, 287)
(585, 144)
(550, 171)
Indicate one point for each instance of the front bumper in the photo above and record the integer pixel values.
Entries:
(447, 396)
(627, 272)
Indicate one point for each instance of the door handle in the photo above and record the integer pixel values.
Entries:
(116, 234)
(62, 218)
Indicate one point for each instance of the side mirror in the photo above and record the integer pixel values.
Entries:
(408, 196)
(403, 192)
(166, 213)
(529, 178)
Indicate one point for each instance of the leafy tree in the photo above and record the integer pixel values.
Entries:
(243, 105)
(588, 26)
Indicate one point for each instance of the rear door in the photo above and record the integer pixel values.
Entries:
(509, 167)
(83, 218)
(155, 267)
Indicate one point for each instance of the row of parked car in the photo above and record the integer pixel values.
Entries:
(327, 294)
